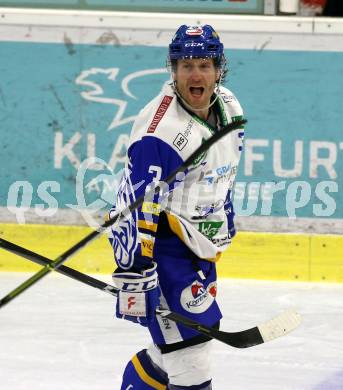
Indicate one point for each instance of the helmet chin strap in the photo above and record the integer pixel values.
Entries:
(216, 90)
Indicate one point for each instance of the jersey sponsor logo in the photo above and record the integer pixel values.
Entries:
(181, 139)
(222, 170)
(197, 289)
(188, 130)
(210, 229)
(210, 175)
(196, 298)
(194, 30)
(180, 142)
(224, 174)
(227, 98)
(199, 160)
(163, 107)
(151, 208)
(130, 302)
(147, 247)
(218, 242)
(166, 323)
(212, 289)
(206, 209)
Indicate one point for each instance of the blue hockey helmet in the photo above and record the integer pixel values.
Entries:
(195, 42)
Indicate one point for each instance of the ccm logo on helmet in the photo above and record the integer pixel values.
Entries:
(193, 44)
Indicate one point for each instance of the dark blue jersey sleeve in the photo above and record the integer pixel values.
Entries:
(150, 161)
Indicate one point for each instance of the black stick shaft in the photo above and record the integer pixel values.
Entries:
(243, 339)
(64, 270)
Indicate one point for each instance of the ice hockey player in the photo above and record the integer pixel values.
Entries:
(166, 250)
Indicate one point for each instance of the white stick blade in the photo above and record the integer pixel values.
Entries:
(279, 326)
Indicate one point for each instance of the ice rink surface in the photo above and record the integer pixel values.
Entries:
(61, 335)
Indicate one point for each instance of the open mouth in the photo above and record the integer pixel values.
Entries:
(196, 91)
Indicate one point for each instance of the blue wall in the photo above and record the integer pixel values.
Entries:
(287, 96)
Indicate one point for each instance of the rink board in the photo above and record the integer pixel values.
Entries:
(273, 256)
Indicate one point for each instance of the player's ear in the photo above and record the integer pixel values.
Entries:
(173, 73)
(217, 75)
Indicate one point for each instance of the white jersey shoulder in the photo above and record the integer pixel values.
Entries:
(232, 105)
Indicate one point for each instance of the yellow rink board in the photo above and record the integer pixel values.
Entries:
(273, 256)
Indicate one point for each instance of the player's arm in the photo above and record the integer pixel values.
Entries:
(150, 162)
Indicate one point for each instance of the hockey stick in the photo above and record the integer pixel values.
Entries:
(138, 202)
(276, 327)
(64, 270)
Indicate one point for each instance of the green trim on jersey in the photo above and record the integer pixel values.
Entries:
(220, 112)
(238, 118)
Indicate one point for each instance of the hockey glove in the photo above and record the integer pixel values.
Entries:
(138, 295)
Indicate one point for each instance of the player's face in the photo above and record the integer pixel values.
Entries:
(196, 80)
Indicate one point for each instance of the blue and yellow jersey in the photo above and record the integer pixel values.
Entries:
(197, 205)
